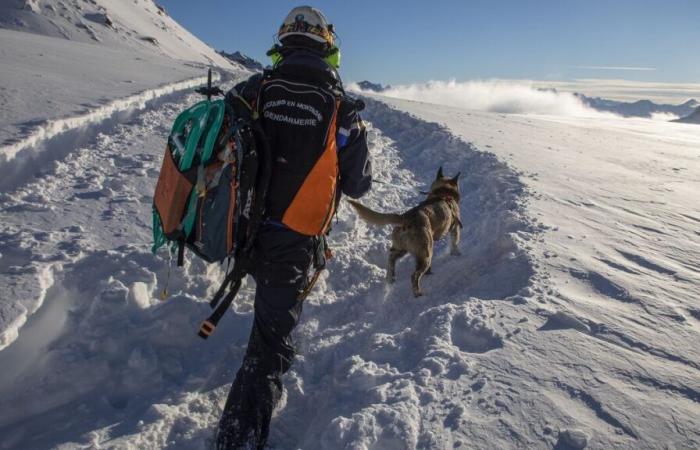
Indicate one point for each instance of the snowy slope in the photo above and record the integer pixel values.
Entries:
(619, 258)
(61, 60)
(139, 26)
(70, 70)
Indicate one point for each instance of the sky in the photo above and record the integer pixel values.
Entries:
(413, 41)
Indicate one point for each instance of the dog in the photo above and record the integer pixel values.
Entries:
(416, 230)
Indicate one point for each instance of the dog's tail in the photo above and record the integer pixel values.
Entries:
(374, 217)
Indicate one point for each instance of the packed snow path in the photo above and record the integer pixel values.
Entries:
(482, 361)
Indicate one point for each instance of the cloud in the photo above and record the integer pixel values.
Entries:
(663, 117)
(639, 69)
(514, 97)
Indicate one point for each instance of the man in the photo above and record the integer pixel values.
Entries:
(319, 149)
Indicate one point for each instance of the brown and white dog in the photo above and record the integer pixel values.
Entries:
(416, 230)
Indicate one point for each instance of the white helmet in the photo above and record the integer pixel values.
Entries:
(309, 22)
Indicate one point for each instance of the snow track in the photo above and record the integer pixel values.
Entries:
(131, 369)
(52, 140)
(375, 362)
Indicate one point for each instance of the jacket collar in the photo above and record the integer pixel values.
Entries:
(306, 64)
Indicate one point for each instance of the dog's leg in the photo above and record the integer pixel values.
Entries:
(455, 234)
(422, 265)
(424, 259)
(394, 255)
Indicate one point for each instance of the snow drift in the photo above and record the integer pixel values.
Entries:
(511, 97)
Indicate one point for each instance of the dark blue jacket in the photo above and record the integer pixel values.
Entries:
(355, 169)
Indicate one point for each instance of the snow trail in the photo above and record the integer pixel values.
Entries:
(51, 140)
(615, 270)
(503, 351)
(375, 362)
(131, 369)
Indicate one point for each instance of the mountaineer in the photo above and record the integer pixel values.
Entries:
(319, 150)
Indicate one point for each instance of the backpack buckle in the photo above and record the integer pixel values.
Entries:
(206, 329)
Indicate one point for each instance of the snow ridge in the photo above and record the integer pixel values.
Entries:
(53, 128)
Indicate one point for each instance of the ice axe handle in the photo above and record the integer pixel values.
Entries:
(209, 90)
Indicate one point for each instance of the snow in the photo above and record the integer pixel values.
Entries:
(137, 26)
(61, 88)
(569, 320)
(26, 154)
(494, 96)
(53, 69)
(559, 322)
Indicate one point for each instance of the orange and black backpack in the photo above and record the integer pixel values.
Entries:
(210, 194)
(299, 120)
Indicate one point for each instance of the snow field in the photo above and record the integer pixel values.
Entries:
(68, 60)
(47, 148)
(616, 276)
(570, 319)
(130, 368)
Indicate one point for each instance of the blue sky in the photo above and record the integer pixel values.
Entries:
(415, 41)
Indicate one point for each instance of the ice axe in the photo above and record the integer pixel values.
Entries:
(209, 90)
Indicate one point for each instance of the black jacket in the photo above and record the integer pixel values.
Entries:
(290, 140)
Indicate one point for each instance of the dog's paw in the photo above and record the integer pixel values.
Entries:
(417, 294)
(455, 252)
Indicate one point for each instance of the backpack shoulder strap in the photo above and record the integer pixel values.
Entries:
(243, 97)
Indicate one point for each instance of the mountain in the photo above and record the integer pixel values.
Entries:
(245, 61)
(373, 87)
(70, 61)
(693, 117)
(640, 108)
(134, 25)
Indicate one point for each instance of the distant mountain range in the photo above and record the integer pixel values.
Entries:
(693, 117)
(245, 61)
(641, 108)
(374, 87)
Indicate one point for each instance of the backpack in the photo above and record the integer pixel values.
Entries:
(211, 190)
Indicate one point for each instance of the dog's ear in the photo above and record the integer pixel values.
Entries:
(455, 178)
(439, 174)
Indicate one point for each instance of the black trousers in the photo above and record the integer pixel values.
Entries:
(282, 261)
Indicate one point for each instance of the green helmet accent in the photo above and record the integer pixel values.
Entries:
(333, 58)
(275, 56)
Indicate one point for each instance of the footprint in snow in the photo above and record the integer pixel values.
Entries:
(563, 321)
(472, 335)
